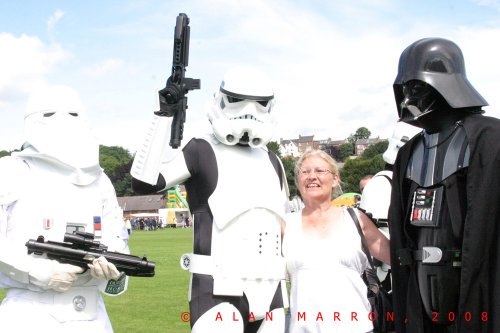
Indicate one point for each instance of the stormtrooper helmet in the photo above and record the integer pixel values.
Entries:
(56, 126)
(402, 133)
(242, 109)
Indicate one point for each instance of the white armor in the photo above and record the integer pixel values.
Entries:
(48, 195)
(401, 134)
(242, 110)
(249, 226)
(247, 204)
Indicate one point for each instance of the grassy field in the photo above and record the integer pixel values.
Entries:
(154, 305)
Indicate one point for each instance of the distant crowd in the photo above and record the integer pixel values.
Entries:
(154, 223)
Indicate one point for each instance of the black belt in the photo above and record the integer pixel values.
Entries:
(430, 255)
(382, 223)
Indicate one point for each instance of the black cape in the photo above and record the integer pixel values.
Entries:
(479, 302)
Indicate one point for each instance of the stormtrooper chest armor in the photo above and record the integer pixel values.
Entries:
(52, 206)
(247, 206)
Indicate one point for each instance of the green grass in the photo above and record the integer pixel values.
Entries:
(154, 305)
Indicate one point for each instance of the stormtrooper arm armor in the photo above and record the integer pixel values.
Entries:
(146, 165)
(376, 197)
(15, 264)
(156, 165)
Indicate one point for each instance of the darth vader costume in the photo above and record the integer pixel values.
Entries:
(444, 217)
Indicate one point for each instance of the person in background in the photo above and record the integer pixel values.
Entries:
(126, 231)
(128, 226)
(324, 257)
(357, 200)
(363, 182)
(55, 185)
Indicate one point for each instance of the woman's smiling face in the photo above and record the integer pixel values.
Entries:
(316, 179)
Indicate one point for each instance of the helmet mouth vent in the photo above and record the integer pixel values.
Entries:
(256, 141)
(230, 138)
(245, 138)
(247, 117)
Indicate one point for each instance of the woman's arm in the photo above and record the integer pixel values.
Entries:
(378, 243)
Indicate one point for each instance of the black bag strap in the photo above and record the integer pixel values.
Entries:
(389, 179)
(364, 245)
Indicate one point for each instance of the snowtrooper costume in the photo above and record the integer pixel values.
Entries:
(376, 196)
(237, 194)
(52, 186)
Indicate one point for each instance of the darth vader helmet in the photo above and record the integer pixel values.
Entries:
(431, 74)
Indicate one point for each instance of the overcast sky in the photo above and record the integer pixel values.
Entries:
(332, 62)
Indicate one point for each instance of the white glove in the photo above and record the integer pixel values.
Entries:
(103, 269)
(50, 274)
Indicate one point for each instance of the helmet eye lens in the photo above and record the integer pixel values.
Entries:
(416, 89)
(232, 99)
(263, 103)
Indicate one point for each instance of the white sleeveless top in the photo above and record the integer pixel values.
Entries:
(327, 291)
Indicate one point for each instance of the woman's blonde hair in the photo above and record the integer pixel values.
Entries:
(332, 166)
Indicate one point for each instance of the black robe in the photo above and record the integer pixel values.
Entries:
(479, 302)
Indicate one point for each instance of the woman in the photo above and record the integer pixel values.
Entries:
(324, 256)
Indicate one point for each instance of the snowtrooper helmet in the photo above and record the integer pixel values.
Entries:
(56, 125)
(431, 72)
(242, 110)
(402, 133)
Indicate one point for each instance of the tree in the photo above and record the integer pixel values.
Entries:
(110, 158)
(375, 149)
(289, 166)
(355, 169)
(123, 180)
(346, 150)
(116, 162)
(363, 133)
(274, 147)
(4, 153)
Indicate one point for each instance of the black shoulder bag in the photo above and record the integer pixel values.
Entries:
(380, 300)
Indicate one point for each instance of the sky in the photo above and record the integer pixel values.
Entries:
(332, 63)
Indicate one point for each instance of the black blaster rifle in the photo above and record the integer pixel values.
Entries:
(80, 249)
(173, 100)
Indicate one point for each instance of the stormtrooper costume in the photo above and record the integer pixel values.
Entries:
(237, 193)
(376, 196)
(52, 186)
(443, 225)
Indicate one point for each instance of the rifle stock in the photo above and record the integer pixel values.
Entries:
(80, 249)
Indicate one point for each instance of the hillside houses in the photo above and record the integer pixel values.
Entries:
(295, 147)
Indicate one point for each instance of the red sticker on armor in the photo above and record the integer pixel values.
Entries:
(47, 223)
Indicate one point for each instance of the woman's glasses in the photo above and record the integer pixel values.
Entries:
(320, 172)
